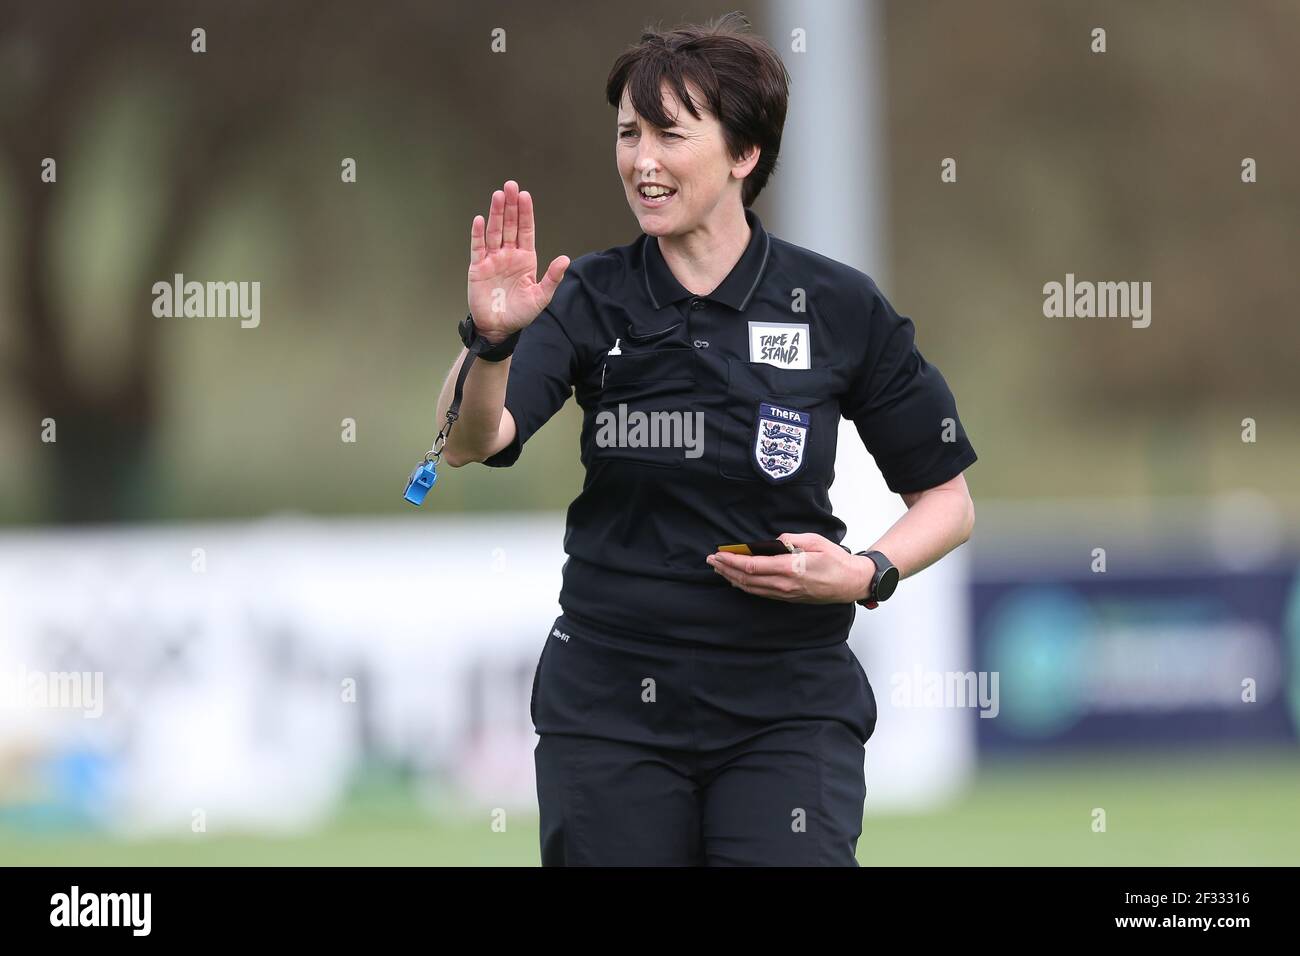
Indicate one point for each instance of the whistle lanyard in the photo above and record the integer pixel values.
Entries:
(426, 472)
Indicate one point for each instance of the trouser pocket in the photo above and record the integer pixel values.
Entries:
(869, 697)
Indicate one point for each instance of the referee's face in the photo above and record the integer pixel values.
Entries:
(675, 177)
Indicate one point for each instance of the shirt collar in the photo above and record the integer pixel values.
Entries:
(735, 290)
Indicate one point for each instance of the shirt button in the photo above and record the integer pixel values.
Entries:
(697, 304)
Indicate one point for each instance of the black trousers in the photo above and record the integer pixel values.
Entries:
(663, 754)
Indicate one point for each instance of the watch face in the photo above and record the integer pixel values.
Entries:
(887, 583)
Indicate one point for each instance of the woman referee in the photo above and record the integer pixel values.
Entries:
(694, 705)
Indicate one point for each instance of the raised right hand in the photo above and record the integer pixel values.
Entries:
(504, 294)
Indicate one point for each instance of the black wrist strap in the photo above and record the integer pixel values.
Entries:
(871, 584)
(498, 352)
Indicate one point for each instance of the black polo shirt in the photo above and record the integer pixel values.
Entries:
(767, 363)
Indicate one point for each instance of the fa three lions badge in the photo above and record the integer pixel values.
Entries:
(780, 440)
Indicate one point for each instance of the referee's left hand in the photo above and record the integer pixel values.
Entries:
(824, 573)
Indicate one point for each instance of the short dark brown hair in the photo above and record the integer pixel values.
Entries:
(740, 77)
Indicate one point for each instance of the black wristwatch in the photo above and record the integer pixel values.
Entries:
(883, 582)
(487, 352)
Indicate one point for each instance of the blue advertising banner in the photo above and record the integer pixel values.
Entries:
(1108, 660)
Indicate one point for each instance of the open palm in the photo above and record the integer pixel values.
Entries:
(504, 294)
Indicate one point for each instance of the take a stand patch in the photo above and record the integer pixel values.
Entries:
(780, 440)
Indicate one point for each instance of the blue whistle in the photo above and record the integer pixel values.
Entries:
(421, 480)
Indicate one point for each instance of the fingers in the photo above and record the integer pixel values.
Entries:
(764, 585)
(477, 245)
(764, 565)
(503, 221)
(527, 226)
(510, 236)
(554, 273)
(809, 542)
(496, 212)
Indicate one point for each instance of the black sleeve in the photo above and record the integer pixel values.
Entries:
(542, 371)
(903, 408)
